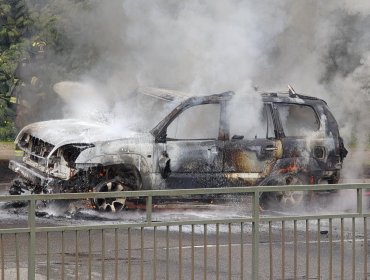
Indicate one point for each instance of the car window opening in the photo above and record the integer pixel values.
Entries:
(298, 120)
(197, 122)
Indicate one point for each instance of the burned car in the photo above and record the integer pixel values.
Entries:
(191, 142)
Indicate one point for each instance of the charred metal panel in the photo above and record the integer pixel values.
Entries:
(250, 160)
(192, 160)
(197, 156)
(294, 147)
(119, 151)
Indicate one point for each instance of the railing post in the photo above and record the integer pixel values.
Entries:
(255, 235)
(31, 240)
(149, 205)
(359, 200)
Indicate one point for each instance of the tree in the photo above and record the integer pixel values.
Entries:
(38, 48)
(14, 39)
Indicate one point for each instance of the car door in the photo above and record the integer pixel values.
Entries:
(253, 148)
(193, 148)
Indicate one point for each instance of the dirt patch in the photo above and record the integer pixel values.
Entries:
(7, 150)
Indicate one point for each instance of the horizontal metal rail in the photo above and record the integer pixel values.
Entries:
(185, 192)
(254, 218)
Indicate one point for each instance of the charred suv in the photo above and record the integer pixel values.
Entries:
(186, 142)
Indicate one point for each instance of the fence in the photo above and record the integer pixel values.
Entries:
(237, 241)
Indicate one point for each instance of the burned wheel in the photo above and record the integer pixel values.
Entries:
(286, 200)
(111, 204)
(290, 199)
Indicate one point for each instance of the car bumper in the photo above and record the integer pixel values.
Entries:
(29, 174)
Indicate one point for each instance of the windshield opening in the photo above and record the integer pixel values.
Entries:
(146, 111)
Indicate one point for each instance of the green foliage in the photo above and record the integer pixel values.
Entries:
(7, 131)
(7, 127)
(23, 25)
(14, 23)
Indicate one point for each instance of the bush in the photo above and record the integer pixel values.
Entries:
(7, 132)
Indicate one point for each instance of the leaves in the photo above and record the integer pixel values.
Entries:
(4, 9)
(14, 19)
(39, 40)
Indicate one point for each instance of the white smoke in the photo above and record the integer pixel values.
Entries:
(211, 46)
(84, 100)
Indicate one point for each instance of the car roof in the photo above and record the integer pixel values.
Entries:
(277, 97)
(178, 96)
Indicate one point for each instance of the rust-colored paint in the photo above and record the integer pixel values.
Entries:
(279, 151)
(312, 180)
(289, 169)
(243, 161)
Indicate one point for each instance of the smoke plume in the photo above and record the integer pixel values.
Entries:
(205, 47)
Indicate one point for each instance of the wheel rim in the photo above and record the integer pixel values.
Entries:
(292, 199)
(111, 204)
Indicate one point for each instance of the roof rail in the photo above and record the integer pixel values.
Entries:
(292, 93)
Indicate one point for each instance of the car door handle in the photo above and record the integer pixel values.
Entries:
(213, 150)
(270, 148)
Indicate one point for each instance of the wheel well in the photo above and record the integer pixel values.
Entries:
(280, 179)
(128, 172)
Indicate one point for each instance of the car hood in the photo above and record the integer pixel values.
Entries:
(58, 132)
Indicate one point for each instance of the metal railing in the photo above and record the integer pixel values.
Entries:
(252, 244)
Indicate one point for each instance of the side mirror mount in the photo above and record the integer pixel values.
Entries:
(161, 138)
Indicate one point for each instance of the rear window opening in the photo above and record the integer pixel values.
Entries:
(298, 120)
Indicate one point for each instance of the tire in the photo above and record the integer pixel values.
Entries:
(287, 200)
(111, 204)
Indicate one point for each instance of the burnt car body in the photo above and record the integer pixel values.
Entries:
(193, 146)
